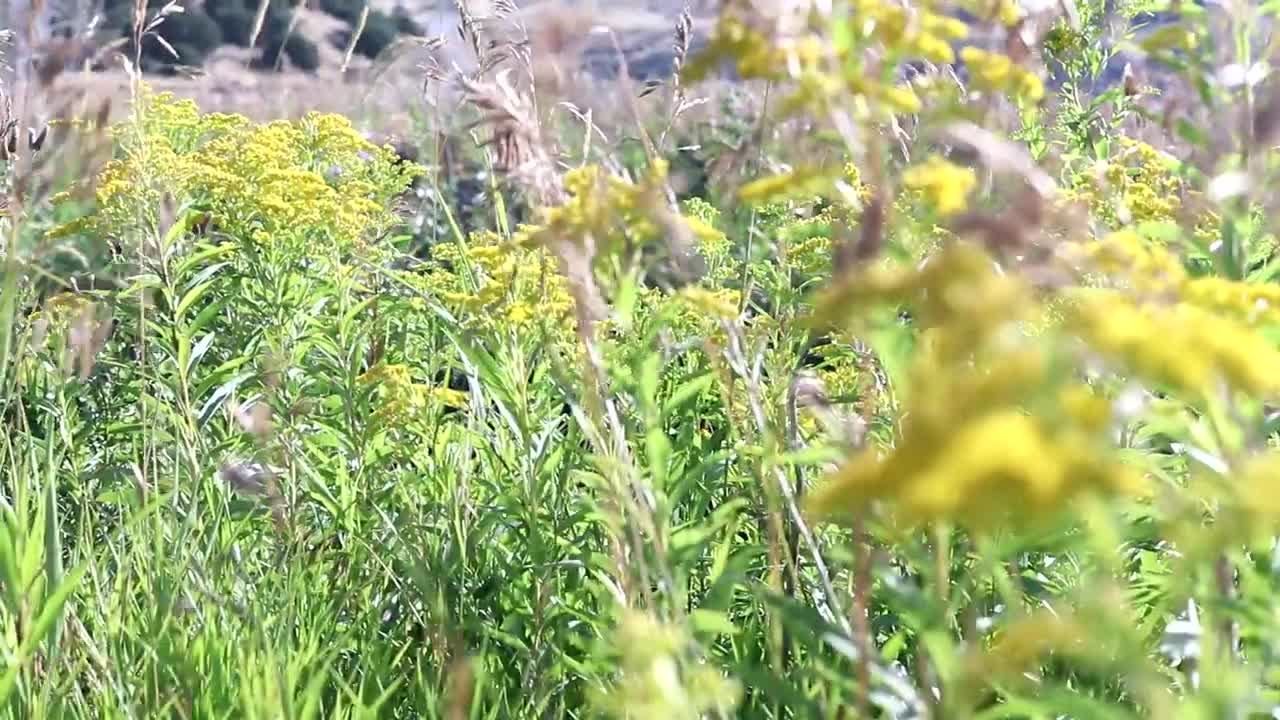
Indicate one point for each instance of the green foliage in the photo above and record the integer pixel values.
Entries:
(380, 29)
(348, 10)
(301, 52)
(954, 405)
(405, 22)
(235, 18)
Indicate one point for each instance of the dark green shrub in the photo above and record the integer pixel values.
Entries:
(379, 33)
(235, 20)
(348, 10)
(405, 24)
(193, 34)
(302, 53)
(380, 29)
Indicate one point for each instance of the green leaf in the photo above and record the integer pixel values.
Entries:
(209, 252)
(711, 622)
(206, 315)
(198, 352)
(191, 297)
(687, 392)
(50, 614)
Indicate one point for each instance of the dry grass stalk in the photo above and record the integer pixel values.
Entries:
(294, 18)
(259, 18)
(520, 151)
(355, 38)
(87, 338)
(256, 481)
(143, 28)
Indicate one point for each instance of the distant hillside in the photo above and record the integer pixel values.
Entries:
(282, 40)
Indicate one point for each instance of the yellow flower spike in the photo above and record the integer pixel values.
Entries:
(997, 73)
(901, 99)
(987, 415)
(1031, 87)
(449, 397)
(993, 69)
(1006, 453)
(934, 49)
(852, 488)
(1008, 12)
(1085, 408)
(806, 181)
(1255, 506)
(945, 184)
(721, 305)
(262, 182)
(891, 25)
(945, 27)
(1185, 347)
(1251, 303)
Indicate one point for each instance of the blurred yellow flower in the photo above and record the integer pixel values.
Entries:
(997, 73)
(945, 184)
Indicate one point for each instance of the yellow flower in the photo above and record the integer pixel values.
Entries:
(497, 284)
(722, 304)
(1137, 185)
(997, 73)
(800, 182)
(987, 415)
(1182, 346)
(449, 397)
(1008, 12)
(308, 187)
(935, 49)
(943, 26)
(901, 99)
(1005, 453)
(945, 184)
(1031, 87)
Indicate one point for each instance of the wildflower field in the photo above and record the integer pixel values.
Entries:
(901, 359)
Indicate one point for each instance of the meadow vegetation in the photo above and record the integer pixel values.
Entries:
(916, 372)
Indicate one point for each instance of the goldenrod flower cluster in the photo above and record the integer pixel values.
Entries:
(604, 214)
(306, 187)
(501, 285)
(1124, 259)
(403, 401)
(62, 307)
(713, 245)
(829, 71)
(1137, 185)
(805, 244)
(1179, 345)
(607, 212)
(840, 370)
(1151, 272)
(659, 680)
(997, 73)
(912, 32)
(1255, 505)
(989, 412)
(945, 184)
(717, 304)
(1195, 335)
